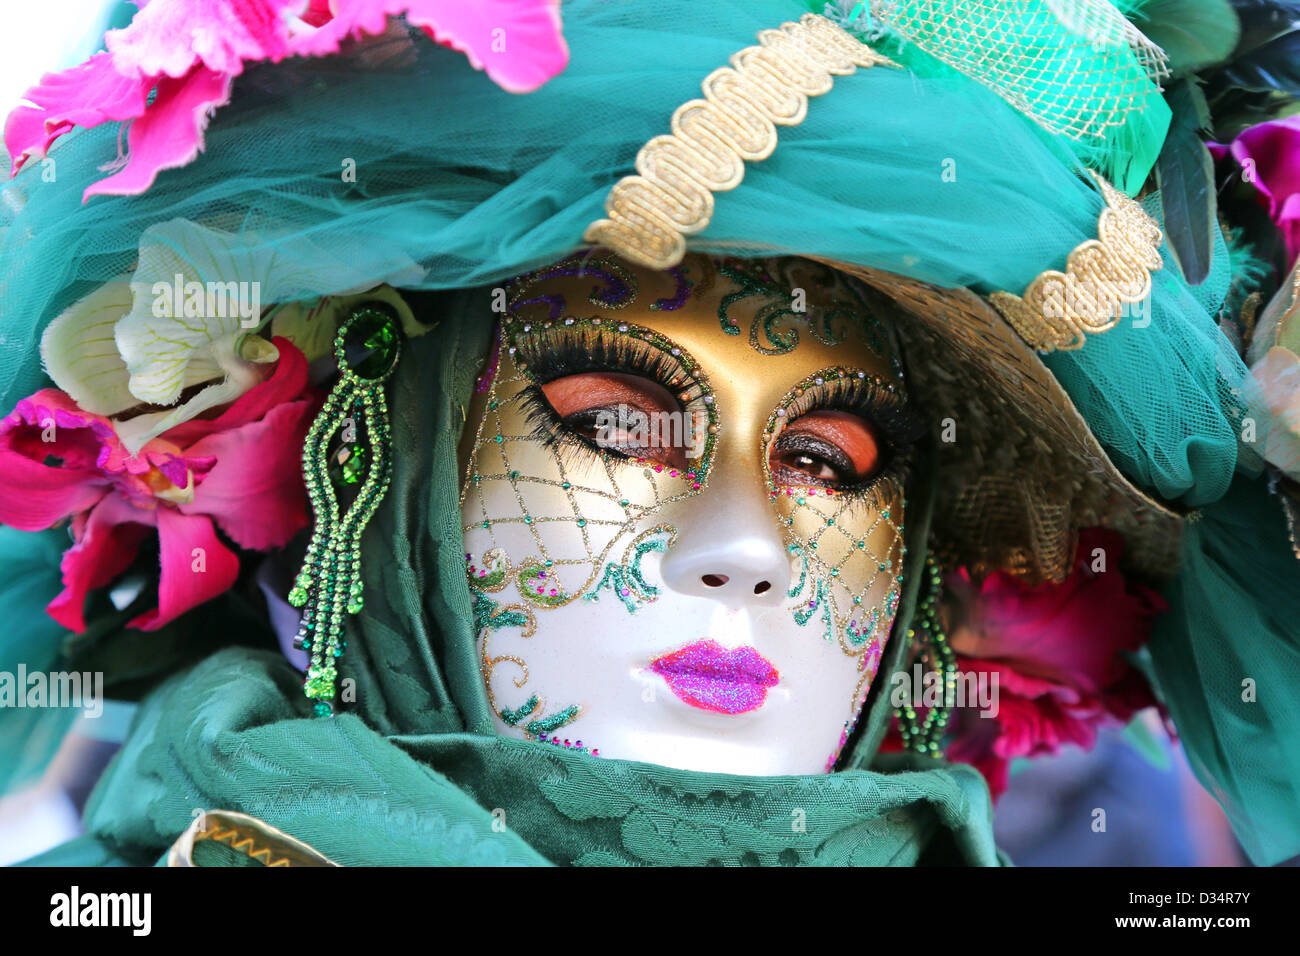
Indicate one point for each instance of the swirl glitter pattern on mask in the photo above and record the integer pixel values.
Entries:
(778, 285)
(576, 506)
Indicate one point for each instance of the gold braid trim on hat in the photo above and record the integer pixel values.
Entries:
(650, 214)
(766, 86)
(1103, 275)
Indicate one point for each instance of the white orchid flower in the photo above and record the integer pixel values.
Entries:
(181, 331)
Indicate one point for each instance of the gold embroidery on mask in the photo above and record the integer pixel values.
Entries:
(579, 509)
(838, 567)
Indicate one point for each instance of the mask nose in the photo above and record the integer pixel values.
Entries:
(729, 550)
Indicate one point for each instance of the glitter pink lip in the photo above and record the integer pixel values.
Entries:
(708, 676)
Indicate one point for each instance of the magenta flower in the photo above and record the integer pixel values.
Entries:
(239, 472)
(1269, 154)
(188, 52)
(1036, 717)
(518, 43)
(1058, 651)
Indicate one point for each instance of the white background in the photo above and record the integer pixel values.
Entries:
(42, 36)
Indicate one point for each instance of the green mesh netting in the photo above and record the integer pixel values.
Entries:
(1078, 68)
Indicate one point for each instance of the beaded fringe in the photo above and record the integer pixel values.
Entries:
(329, 584)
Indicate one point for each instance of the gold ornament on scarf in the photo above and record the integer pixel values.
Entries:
(248, 836)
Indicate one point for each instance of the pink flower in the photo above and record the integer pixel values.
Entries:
(1058, 653)
(238, 471)
(188, 52)
(517, 42)
(1269, 154)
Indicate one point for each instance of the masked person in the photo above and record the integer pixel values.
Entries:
(683, 517)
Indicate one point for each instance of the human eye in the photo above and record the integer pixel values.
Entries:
(617, 391)
(841, 429)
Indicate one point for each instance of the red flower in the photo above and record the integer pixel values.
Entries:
(239, 472)
(1058, 655)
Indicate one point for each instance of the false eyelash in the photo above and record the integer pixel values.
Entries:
(899, 426)
(559, 352)
(548, 429)
(887, 410)
(878, 492)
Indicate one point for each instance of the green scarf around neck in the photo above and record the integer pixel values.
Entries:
(413, 772)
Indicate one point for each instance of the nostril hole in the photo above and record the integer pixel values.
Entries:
(715, 580)
(762, 586)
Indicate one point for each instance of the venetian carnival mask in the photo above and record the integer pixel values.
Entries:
(683, 511)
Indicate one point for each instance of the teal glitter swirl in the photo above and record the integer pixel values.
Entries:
(554, 722)
(617, 580)
(783, 340)
(864, 635)
(819, 603)
(627, 580)
(512, 717)
(659, 544)
(488, 616)
(829, 324)
(803, 570)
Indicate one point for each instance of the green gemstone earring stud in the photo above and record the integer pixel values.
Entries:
(346, 455)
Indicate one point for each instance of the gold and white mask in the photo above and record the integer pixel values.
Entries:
(683, 511)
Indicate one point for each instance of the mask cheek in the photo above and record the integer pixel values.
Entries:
(542, 523)
(849, 556)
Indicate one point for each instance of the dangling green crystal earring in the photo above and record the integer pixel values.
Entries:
(924, 734)
(367, 347)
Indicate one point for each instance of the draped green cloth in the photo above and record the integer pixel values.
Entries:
(1227, 661)
(231, 735)
(29, 568)
(414, 772)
